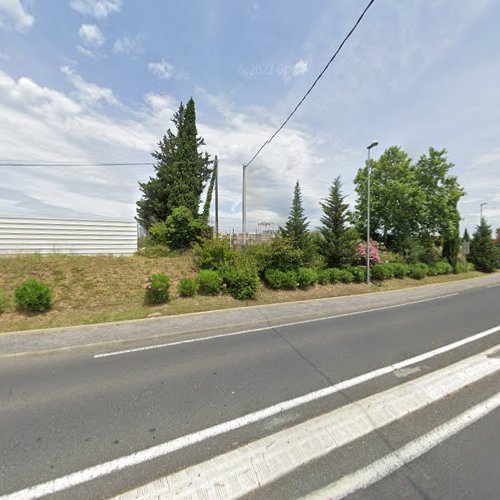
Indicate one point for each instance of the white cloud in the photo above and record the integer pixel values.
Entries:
(85, 52)
(89, 93)
(129, 46)
(91, 35)
(162, 69)
(300, 68)
(14, 16)
(97, 8)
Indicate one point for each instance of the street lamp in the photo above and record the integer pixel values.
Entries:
(372, 145)
(481, 211)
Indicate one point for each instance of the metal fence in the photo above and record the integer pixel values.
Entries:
(67, 236)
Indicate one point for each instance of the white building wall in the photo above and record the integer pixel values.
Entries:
(67, 236)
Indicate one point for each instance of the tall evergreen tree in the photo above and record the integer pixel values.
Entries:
(483, 253)
(296, 227)
(181, 171)
(338, 242)
(466, 236)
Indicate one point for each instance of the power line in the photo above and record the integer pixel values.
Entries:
(20, 163)
(313, 84)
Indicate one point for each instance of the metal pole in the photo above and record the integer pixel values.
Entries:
(368, 225)
(244, 207)
(481, 211)
(216, 197)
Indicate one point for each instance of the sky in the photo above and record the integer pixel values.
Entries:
(98, 81)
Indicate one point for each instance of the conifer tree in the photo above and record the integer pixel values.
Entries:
(483, 253)
(466, 236)
(338, 242)
(181, 171)
(296, 227)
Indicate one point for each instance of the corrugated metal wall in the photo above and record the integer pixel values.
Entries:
(67, 236)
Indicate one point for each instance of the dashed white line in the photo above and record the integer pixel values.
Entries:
(376, 471)
(168, 447)
(265, 328)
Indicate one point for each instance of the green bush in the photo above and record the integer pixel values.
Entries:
(306, 277)
(242, 281)
(358, 273)
(33, 296)
(418, 271)
(382, 272)
(279, 255)
(153, 251)
(157, 289)
(334, 275)
(438, 268)
(209, 282)
(400, 270)
(323, 277)
(345, 276)
(187, 287)
(281, 279)
(465, 267)
(3, 301)
(214, 253)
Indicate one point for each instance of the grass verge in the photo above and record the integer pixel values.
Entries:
(99, 289)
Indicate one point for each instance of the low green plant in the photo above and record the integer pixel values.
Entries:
(465, 267)
(358, 273)
(3, 301)
(213, 253)
(418, 271)
(306, 277)
(439, 268)
(382, 272)
(242, 282)
(157, 289)
(33, 296)
(400, 270)
(209, 282)
(278, 279)
(334, 275)
(323, 277)
(280, 254)
(153, 251)
(187, 287)
(345, 276)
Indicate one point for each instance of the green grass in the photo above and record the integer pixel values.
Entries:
(99, 289)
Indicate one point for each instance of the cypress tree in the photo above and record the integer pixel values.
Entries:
(181, 171)
(296, 227)
(338, 242)
(466, 236)
(483, 253)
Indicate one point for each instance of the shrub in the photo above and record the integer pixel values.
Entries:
(465, 267)
(334, 275)
(153, 251)
(241, 281)
(157, 289)
(323, 277)
(345, 276)
(400, 270)
(281, 279)
(209, 282)
(418, 271)
(374, 253)
(33, 296)
(279, 255)
(3, 301)
(214, 253)
(438, 268)
(382, 272)
(187, 287)
(358, 273)
(306, 277)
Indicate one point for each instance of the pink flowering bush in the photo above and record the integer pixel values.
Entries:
(374, 253)
(157, 289)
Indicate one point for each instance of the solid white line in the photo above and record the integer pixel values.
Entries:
(373, 473)
(245, 469)
(493, 286)
(168, 447)
(265, 328)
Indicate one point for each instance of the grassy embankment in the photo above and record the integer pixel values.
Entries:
(90, 290)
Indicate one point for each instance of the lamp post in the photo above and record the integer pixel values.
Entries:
(372, 145)
(244, 207)
(481, 211)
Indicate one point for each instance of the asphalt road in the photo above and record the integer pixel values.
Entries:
(69, 411)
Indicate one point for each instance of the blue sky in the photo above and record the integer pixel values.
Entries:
(98, 80)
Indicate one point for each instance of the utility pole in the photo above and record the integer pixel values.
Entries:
(216, 173)
(481, 211)
(372, 145)
(244, 207)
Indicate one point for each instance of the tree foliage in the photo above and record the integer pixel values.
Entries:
(338, 242)
(483, 253)
(181, 171)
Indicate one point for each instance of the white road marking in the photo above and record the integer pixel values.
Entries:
(369, 475)
(493, 286)
(168, 447)
(241, 471)
(265, 328)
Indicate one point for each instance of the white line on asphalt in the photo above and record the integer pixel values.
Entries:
(168, 447)
(376, 471)
(245, 469)
(493, 286)
(265, 328)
